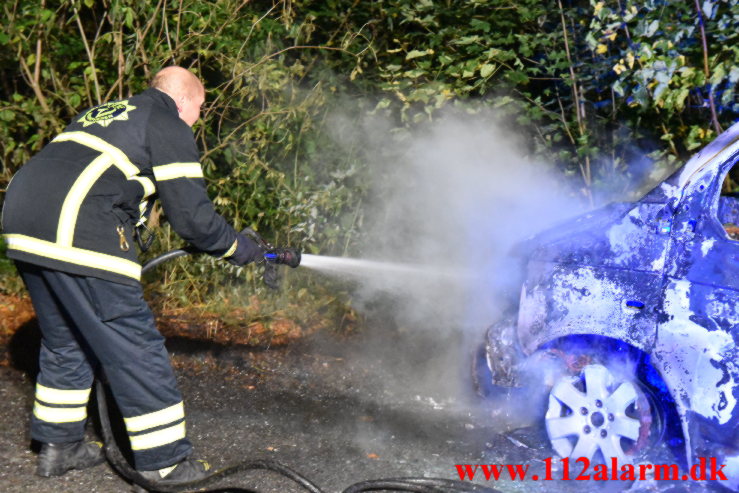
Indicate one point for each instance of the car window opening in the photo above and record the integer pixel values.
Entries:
(729, 203)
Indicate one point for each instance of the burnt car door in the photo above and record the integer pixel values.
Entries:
(698, 328)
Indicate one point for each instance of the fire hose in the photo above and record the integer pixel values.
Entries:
(272, 257)
(120, 464)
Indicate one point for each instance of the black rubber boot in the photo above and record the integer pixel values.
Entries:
(183, 472)
(57, 458)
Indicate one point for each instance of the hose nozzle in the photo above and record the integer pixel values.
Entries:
(285, 255)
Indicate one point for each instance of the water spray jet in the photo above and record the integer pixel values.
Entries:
(367, 268)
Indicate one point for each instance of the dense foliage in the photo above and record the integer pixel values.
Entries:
(613, 89)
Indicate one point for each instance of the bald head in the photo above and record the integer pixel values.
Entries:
(177, 81)
(185, 88)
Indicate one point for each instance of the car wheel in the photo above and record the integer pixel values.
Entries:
(600, 413)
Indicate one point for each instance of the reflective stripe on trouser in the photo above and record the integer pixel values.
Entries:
(153, 429)
(60, 406)
(65, 375)
(84, 316)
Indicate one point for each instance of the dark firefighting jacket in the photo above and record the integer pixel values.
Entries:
(73, 207)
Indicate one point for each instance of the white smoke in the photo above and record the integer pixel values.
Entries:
(456, 197)
(449, 203)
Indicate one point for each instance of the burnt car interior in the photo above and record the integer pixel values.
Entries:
(728, 210)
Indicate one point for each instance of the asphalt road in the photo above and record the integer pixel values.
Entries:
(338, 409)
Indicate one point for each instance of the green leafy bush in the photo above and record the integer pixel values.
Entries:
(607, 91)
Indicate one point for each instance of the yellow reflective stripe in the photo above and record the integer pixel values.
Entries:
(157, 418)
(59, 414)
(77, 194)
(163, 472)
(118, 156)
(73, 201)
(142, 211)
(59, 396)
(73, 255)
(231, 250)
(158, 438)
(177, 170)
(148, 185)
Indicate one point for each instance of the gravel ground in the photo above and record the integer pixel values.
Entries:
(339, 409)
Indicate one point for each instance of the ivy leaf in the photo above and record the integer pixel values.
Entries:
(652, 28)
(75, 100)
(680, 98)
(734, 75)
(487, 69)
(417, 53)
(481, 25)
(467, 40)
(719, 72)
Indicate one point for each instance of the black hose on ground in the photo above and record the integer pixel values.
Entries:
(418, 484)
(121, 465)
(119, 462)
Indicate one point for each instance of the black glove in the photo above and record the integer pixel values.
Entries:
(247, 250)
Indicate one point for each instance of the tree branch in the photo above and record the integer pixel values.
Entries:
(33, 80)
(711, 102)
(90, 56)
(584, 170)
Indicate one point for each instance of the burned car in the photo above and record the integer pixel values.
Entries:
(630, 316)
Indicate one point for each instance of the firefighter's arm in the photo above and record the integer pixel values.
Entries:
(183, 195)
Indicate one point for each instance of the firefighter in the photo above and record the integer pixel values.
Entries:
(69, 220)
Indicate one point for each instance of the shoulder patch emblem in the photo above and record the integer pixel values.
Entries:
(107, 113)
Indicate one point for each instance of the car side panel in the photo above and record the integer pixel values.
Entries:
(603, 282)
(562, 300)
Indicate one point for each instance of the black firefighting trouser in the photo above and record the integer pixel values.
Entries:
(85, 321)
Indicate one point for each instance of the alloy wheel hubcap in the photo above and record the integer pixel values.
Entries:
(592, 413)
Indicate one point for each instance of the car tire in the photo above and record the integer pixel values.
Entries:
(600, 404)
